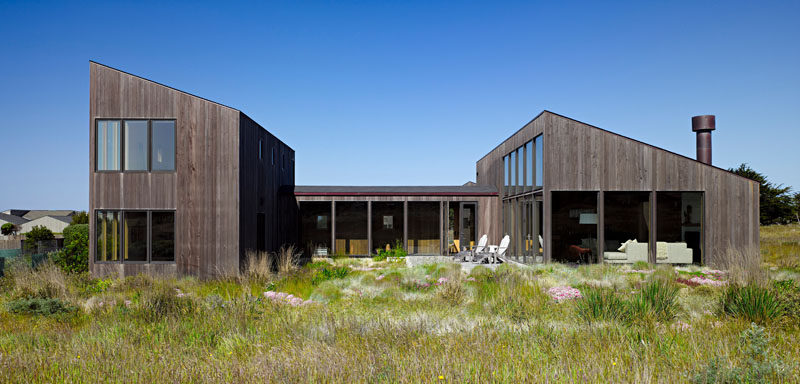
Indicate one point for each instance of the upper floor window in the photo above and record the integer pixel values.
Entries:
(163, 157)
(135, 145)
(108, 148)
(260, 147)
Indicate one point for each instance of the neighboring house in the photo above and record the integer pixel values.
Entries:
(37, 213)
(8, 218)
(183, 185)
(55, 224)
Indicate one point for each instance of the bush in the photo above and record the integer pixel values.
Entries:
(37, 233)
(600, 304)
(397, 251)
(74, 258)
(8, 229)
(452, 292)
(657, 300)
(751, 302)
(40, 306)
(80, 218)
(327, 273)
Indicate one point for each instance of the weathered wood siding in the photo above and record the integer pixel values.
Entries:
(580, 157)
(265, 188)
(203, 190)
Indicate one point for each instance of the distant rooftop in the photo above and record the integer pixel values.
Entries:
(16, 220)
(446, 190)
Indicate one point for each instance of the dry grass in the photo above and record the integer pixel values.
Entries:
(379, 326)
(780, 246)
(288, 258)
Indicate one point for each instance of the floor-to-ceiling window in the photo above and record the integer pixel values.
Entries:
(423, 228)
(315, 223)
(522, 168)
(574, 226)
(679, 227)
(351, 228)
(387, 224)
(626, 220)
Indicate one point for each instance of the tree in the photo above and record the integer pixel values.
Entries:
(778, 205)
(8, 229)
(74, 258)
(80, 218)
(37, 233)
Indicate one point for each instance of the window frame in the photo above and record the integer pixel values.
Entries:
(121, 154)
(97, 152)
(121, 236)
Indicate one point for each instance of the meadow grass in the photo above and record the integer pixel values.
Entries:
(382, 322)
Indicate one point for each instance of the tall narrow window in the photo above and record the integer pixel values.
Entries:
(135, 145)
(108, 145)
(539, 162)
(513, 173)
(163, 155)
(134, 246)
(529, 164)
(260, 148)
(506, 172)
(162, 234)
(108, 233)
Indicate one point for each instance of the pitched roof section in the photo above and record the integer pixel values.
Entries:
(38, 213)
(16, 220)
(163, 85)
(448, 190)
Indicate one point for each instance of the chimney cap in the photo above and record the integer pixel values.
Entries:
(703, 123)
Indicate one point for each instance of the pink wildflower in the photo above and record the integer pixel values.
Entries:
(562, 293)
(470, 278)
(681, 326)
(127, 303)
(380, 277)
(706, 281)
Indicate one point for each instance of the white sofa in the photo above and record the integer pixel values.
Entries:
(666, 253)
(632, 253)
(673, 253)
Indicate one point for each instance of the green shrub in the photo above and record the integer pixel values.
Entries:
(598, 304)
(35, 235)
(8, 229)
(74, 258)
(329, 273)
(751, 302)
(481, 273)
(40, 306)
(80, 218)
(396, 252)
(656, 300)
(452, 292)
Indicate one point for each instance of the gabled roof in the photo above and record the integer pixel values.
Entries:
(446, 190)
(611, 133)
(16, 220)
(38, 213)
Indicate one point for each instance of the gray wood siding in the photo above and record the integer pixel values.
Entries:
(265, 188)
(204, 189)
(582, 157)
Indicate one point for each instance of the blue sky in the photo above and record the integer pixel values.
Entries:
(405, 93)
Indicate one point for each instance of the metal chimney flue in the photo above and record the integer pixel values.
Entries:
(703, 125)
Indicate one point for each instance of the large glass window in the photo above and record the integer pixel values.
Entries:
(316, 227)
(387, 224)
(108, 145)
(163, 236)
(539, 150)
(574, 227)
(163, 154)
(423, 228)
(107, 230)
(679, 229)
(135, 236)
(513, 175)
(351, 228)
(627, 220)
(135, 132)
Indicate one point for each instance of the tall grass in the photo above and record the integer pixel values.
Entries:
(601, 304)
(751, 302)
(657, 300)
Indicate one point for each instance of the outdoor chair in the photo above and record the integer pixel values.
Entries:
(492, 257)
(472, 254)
